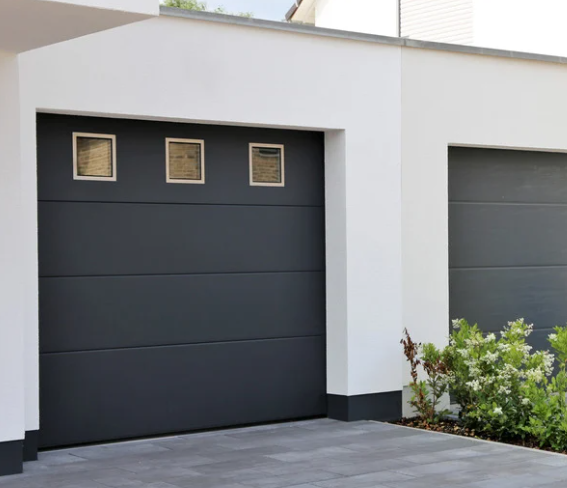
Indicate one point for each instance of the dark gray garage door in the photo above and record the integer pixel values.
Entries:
(174, 307)
(508, 238)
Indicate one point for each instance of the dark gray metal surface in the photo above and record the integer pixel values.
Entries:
(384, 407)
(169, 308)
(180, 309)
(124, 393)
(140, 147)
(135, 239)
(11, 457)
(508, 238)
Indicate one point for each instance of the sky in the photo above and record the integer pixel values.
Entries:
(262, 9)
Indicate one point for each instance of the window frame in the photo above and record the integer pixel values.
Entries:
(281, 147)
(90, 135)
(168, 179)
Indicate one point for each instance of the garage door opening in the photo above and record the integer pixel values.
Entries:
(508, 238)
(171, 307)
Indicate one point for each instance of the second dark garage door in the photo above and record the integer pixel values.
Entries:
(508, 238)
(173, 307)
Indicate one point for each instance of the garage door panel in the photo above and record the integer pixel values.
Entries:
(168, 307)
(124, 239)
(112, 312)
(177, 389)
(494, 297)
(488, 175)
(140, 147)
(483, 235)
(507, 239)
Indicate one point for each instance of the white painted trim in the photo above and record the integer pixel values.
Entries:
(76, 175)
(274, 146)
(201, 142)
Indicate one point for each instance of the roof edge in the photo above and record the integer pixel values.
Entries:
(356, 36)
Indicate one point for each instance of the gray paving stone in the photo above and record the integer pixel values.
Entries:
(363, 480)
(353, 469)
(320, 453)
(287, 480)
(526, 480)
(120, 482)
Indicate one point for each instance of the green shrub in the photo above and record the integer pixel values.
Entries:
(504, 390)
(548, 420)
(494, 379)
(426, 394)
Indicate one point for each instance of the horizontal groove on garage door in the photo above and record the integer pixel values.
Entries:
(80, 314)
(182, 203)
(541, 204)
(181, 274)
(89, 351)
(527, 266)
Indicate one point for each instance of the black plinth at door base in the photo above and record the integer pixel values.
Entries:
(375, 406)
(11, 457)
(31, 443)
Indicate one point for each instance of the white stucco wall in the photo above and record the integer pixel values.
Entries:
(368, 16)
(468, 100)
(189, 70)
(11, 257)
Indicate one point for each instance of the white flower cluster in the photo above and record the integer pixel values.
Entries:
(457, 323)
(548, 361)
(535, 374)
(490, 337)
(490, 357)
(514, 328)
(474, 385)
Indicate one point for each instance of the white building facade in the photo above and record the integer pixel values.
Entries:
(517, 25)
(148, 307)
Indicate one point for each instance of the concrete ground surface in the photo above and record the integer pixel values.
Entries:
(311, 454)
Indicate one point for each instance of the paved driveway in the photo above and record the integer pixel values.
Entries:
(311, 454)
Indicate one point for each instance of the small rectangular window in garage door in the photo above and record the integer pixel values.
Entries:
(185, 160)
(94, 157)
(267, 165)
